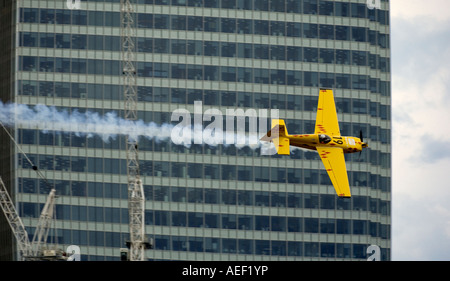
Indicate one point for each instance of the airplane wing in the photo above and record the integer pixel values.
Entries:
(326, 119)
(334, 162)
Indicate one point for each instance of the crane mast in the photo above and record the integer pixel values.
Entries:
(136, 200)
(14, 221)
(37, 249)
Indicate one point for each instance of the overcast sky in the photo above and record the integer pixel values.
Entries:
(420, 41)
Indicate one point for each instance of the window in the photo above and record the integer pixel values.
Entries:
(311, 225)
(343, 226)
(194, 47)
(326, 8)
(311, 201)
(228, 197)
(211, 48)
(327, 80)
(161, 21)
(212, 221)
(293, 29)
(277, 28)
(28, 63)
(294, 53)
(47, 16)
(179, 22)
(228, 49)
(294, 224)
(178, 218)
(261, 27)
(195, 23)
(228, 25)
(359, 34)
(359, 58)
(229, 221)
(262, 223)
(310, 30)
(179, 243)
(79, 17)
(245, 246)
(311, 79)
(326, 31)
(311, 54)
(211, 24)
(261, 51)
(342, 32)
(277, 5)
(261, 5)
(245, 26)
(95, 18)
(62, 41)
(278, 224)
(279, 248)
(261, 174)
(262, 198)
(327, 225)
(326, 55)
(327, 250)
(228, 172)
(29, 39)
(160, 70)
(29, 15)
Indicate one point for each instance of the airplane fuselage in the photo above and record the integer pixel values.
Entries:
(312, 141)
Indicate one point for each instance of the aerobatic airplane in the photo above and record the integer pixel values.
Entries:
(326, 140)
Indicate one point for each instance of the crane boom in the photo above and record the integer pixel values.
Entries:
(14, 221)
(136, 200)
(44, 224)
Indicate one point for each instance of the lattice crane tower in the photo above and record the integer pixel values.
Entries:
(136, 200)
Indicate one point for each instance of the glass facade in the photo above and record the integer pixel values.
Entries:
(209, 202)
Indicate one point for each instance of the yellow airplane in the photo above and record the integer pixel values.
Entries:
(327, 140)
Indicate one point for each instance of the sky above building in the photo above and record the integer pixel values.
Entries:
(420, 46)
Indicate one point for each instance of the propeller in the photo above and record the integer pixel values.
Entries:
(362, 141)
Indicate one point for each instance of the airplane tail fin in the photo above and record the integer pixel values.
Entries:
(279, 136)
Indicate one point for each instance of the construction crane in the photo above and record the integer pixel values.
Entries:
(37, 249)
(136, 200)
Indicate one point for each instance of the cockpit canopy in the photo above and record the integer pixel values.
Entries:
(324, 139)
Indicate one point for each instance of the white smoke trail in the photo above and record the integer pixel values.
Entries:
(108, 126)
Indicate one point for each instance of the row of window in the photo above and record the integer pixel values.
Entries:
(189, 96)
(312, 7)
(208, 48)
(35, 137)
(212, 245)
(199, 171)
(208, 73)
(209, 196)
(213, 24)
(216, 220)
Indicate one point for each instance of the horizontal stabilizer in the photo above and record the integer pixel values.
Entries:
(279, 136)
(282, 145)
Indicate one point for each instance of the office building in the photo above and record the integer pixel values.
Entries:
(202, 202)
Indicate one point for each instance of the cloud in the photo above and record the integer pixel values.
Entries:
(407, 9)
(422, 231)
(421, 134)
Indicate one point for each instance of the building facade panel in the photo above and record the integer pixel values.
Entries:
(209, 202)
